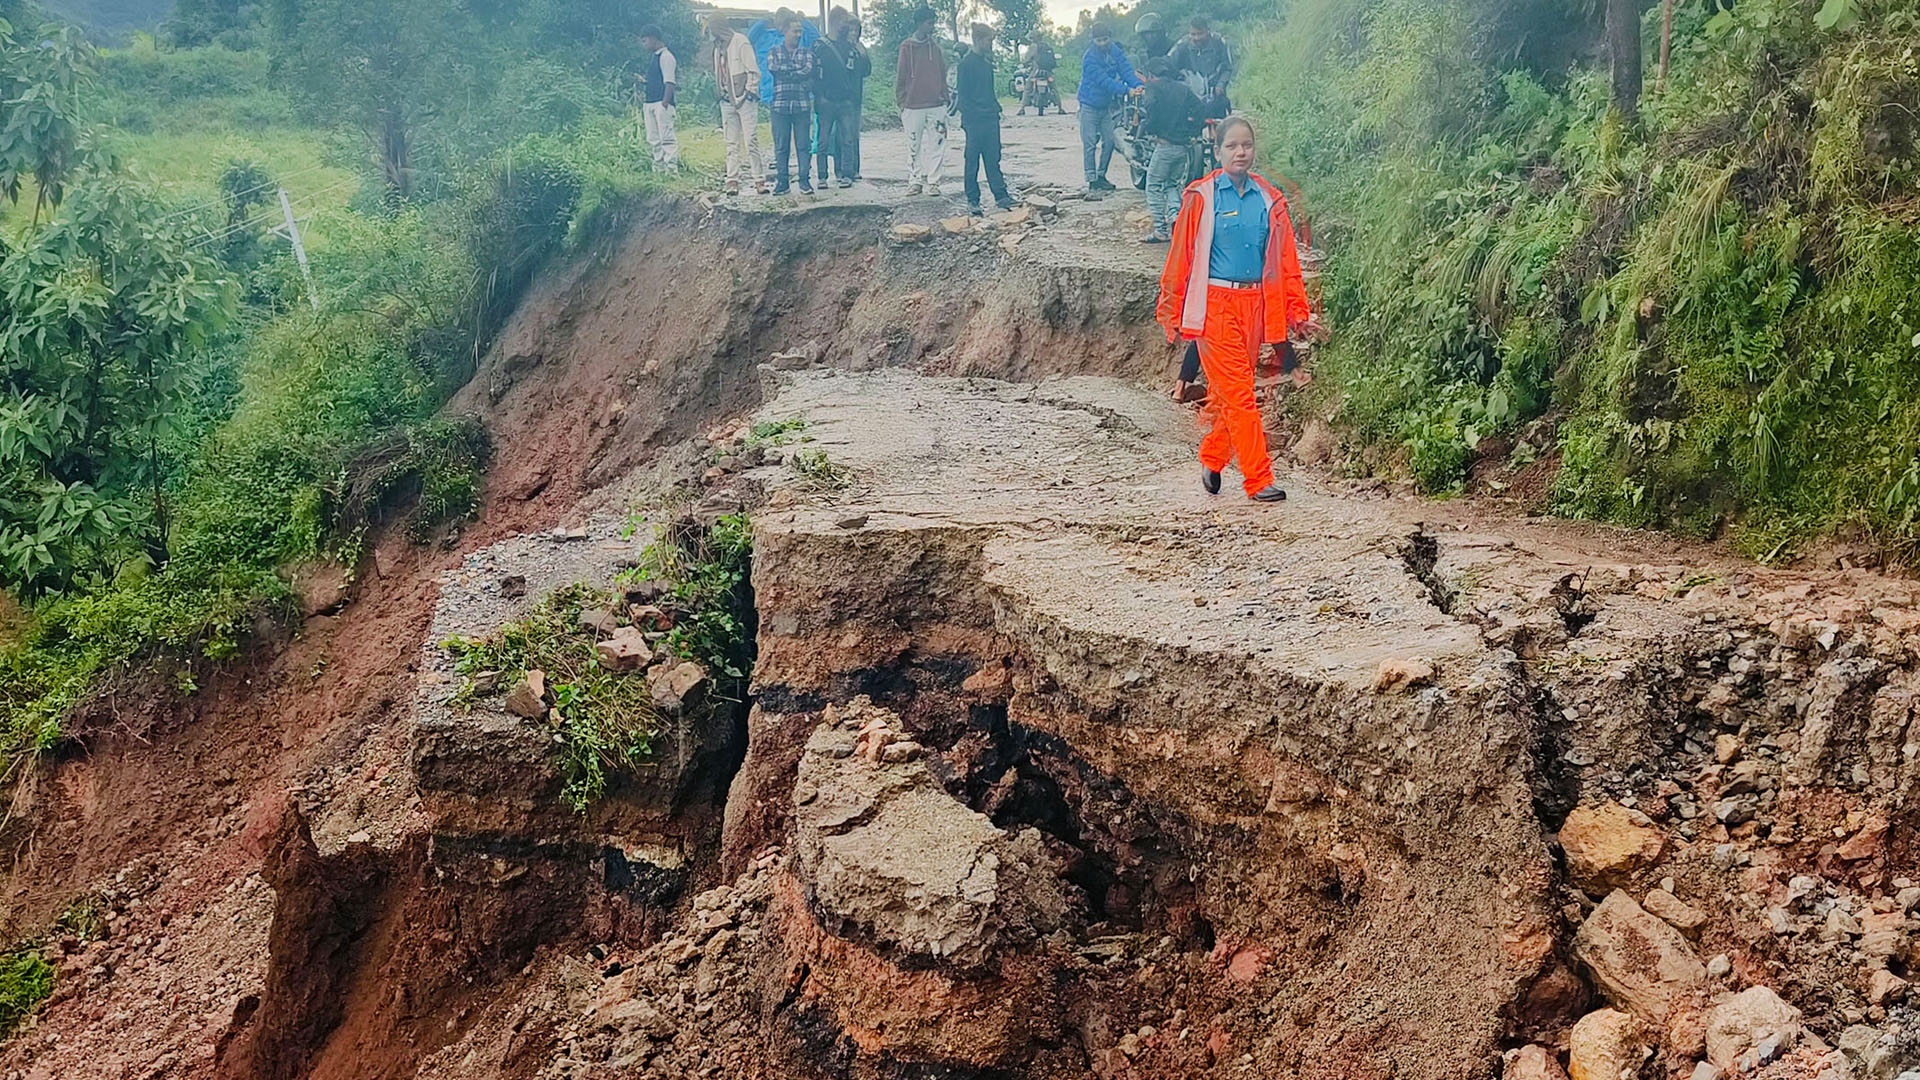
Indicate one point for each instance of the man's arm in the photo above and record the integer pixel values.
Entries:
(1126, 72)
(902, 75)
(1226, 66)
(669, 67)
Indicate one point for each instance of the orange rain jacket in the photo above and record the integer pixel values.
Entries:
(1183, 283)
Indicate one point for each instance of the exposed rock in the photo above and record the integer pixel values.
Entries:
(1397, 673)
(1605, 845)
(528, 697)
(1316, 443)
(1019, 215)
(599, 620)
(955, 226)
(1866, 843)
(1675, 912)
(1640, 963)
(909, 233)
(1605, 1045)
(1884, 986)
(1532, 1062)
(1040, 203)
(1753, 1022)
(886, 850)
(680, 686)
(626, 650)
(323, 587)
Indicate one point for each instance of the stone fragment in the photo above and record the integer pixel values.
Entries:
(851, 521)
(639, 1015)
(599, 620)
(1605, 1045)
(1840, 925)
(1397, 673)
(1675, 912)
(1726, 748)
(1605, 846)
(1640, 963)
(1532, 1062)
(528, 698)
(1040, 202)
(1866, 843)
(1884, 986)
(1756, 1019)
(680, 686)
(626, 650)
(955, 226)
(1720, 966)
(1019, 215)
(909, 233)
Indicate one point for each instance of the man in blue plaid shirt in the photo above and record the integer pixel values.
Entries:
(794, 69)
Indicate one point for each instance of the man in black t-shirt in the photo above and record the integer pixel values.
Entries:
(659, 72)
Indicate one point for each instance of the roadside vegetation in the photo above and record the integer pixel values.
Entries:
(1701, 308)
(181, 418)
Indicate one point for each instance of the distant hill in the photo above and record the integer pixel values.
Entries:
(112, 20)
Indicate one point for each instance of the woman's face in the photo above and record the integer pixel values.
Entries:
(1236, 150)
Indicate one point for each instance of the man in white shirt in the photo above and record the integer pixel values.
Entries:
(736, 75)
(657, 109)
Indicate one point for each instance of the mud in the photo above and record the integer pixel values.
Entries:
(1052, 765)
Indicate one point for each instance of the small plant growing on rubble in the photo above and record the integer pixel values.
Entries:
(26, 980)
(776, 432)
(705, 574)
(604, 721)
(822, 471)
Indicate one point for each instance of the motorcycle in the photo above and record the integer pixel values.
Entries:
(1036, 90)
(1201, 158)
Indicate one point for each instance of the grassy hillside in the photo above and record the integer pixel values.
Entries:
(1706, 315)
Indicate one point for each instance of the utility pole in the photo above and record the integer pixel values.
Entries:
(299, 249)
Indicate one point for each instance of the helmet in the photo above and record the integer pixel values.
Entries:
(1148, 23)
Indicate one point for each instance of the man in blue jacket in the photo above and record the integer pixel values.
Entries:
(1106, 78)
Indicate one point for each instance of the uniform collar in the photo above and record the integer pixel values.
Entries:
(1225, 183)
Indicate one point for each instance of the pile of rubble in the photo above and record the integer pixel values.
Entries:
(1035, 211)
(1719, 1017)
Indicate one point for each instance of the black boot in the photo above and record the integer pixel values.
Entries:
(1271, 493)
(1210, 480)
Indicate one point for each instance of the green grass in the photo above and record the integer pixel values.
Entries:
(26, 980)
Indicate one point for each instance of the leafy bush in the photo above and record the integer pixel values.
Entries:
(26, 980)
(705, 572)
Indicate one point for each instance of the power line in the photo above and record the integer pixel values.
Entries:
(239, 194)
(230, 230)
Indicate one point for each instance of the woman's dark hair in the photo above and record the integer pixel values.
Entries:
(1233, 120)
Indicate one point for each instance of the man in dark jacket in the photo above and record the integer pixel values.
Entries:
(1206, 63)
(979, 108)
(1173, 120)
(1106, 78)
(836, 91)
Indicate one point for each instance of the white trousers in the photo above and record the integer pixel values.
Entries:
(926, 145)
(740, 124)
(660, 134)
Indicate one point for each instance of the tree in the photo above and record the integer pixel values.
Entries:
(201, 22)
(99, 306)
(1020, 20)
(1623, 51)
(380, 65)
(41, 88)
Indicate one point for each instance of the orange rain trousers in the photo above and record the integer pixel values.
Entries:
(1229, 347)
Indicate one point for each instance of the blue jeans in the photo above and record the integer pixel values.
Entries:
(1166, 179)
(1099, 127)
(790, 131)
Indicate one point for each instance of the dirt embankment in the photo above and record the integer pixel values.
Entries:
(1053, 767)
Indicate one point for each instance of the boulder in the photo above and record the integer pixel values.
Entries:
(1605, 845)
(1749, 1028)
(626, 650)
(323, 587)
(680, 686)
(1605, 1045)
(1532, 1062)
(1675, 912)
(882, 848)
(1316, 443)
(1641, 964)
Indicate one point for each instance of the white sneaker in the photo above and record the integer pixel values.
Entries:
(913, 187)
(933, 189)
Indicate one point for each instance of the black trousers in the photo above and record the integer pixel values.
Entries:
(983, 148)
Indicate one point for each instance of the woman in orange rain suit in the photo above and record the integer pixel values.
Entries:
(1232, 283)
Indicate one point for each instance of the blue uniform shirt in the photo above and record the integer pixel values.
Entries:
(1239, 232)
